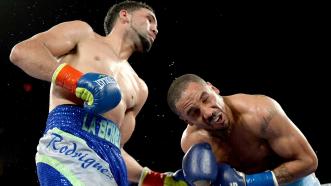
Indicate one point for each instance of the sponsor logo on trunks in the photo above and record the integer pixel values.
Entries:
(70, 149)
(103, 129)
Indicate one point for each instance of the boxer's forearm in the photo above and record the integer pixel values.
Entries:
(293, 170)
(133, 167)
(34, 59)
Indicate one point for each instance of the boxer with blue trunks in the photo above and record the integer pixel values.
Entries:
(95, 96)
(80, 148)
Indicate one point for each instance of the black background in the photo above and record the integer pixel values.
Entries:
(273, 48)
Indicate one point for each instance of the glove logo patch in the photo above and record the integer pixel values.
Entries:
(103, 82)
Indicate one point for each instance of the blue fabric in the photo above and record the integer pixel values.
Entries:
(50, 177)
(100, 134)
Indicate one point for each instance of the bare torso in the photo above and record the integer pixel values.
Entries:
(245, 152)
(95, 55)
(243, 148)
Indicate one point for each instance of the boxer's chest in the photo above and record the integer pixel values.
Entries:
(245, 154)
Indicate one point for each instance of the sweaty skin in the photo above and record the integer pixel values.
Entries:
(250, 132)
(78, 45)
(93, 54)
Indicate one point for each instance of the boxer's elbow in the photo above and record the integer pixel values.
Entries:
(312, 162)
(309, 163)
(16, 54)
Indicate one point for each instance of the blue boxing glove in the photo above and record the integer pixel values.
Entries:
(199, 164)
(228, 176)
(99, 92)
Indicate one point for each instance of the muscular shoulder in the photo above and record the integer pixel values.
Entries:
(267, 107)
(257, 104)
(77, 24)
(73, 31)
(263, 109)
(77, 27)
(193, 135)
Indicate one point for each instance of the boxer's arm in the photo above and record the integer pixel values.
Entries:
(133, 167)
(37, 56)
(289, 143)
(192, 135)
(200, 167)
(228, 176)
(146, 177)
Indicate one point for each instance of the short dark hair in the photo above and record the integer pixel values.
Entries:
(178, 86)
(112, 13)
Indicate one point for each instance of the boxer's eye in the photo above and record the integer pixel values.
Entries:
(193, 112)
(204, 97)
(205, 100)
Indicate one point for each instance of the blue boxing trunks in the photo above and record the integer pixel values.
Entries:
(80, 148)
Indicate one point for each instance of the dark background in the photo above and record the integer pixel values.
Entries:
(273, 48)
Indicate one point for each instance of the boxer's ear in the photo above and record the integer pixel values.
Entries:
(188, 123)
(124, 16)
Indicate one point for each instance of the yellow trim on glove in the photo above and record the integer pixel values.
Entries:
(143, 174)
(85, 95)
(169, 181)
(57, 71)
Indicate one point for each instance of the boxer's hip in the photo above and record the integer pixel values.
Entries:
(83, 147)
(84, 124)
